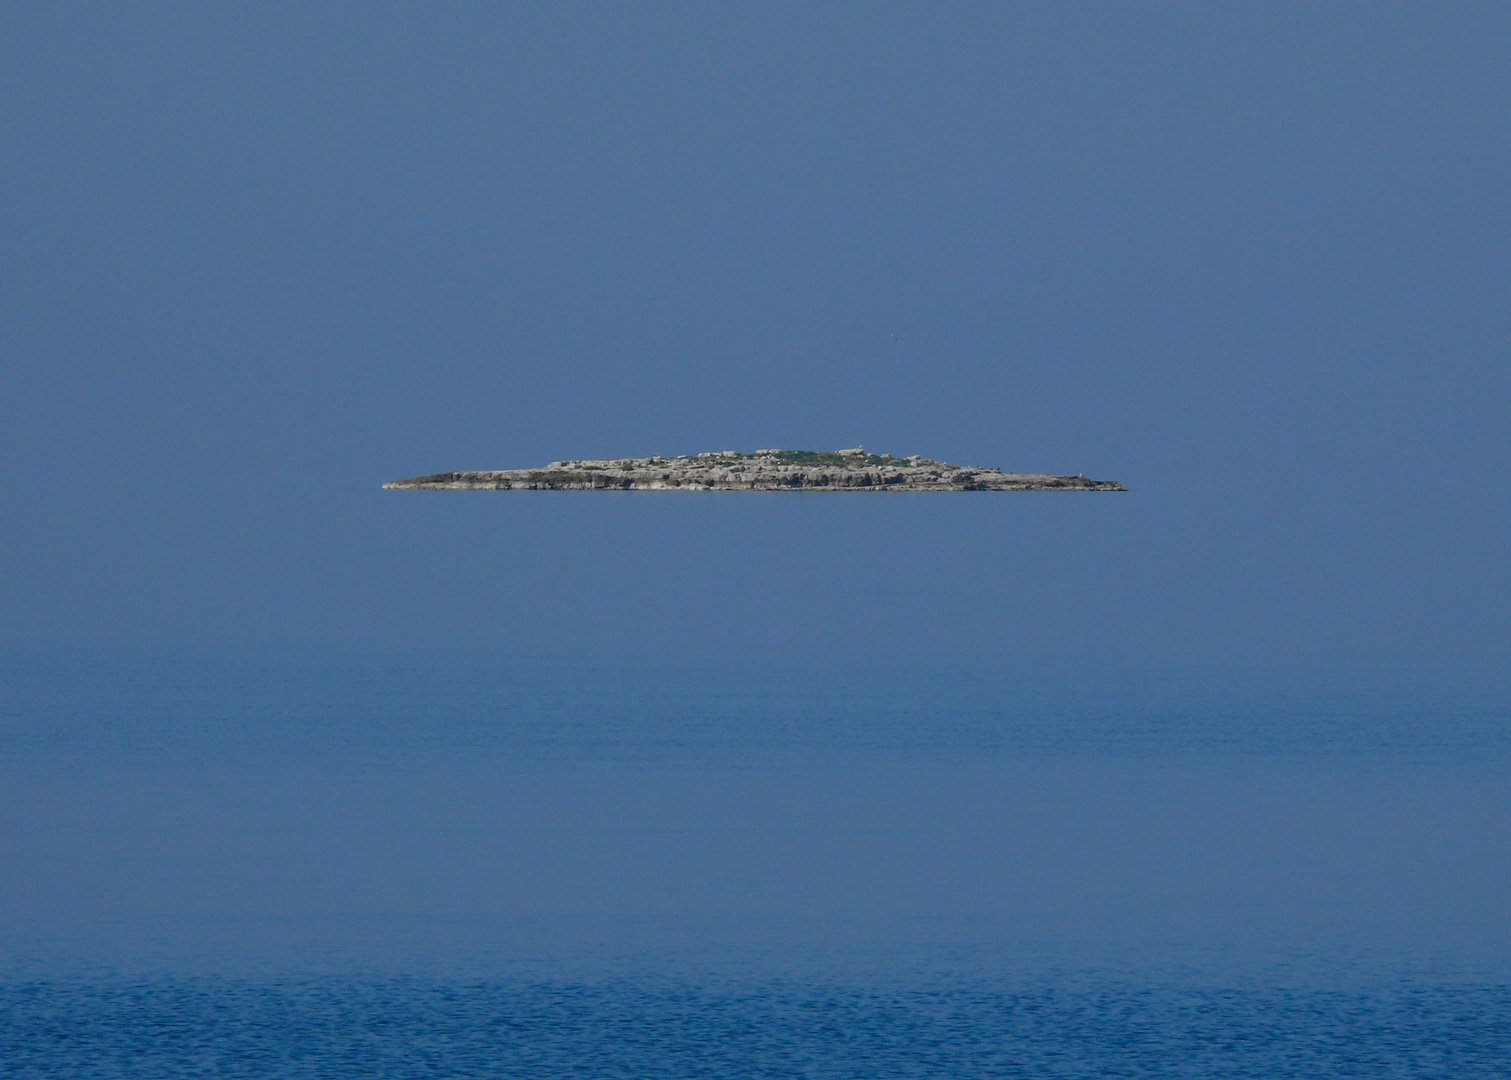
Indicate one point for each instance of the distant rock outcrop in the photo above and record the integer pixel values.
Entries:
(764, 470)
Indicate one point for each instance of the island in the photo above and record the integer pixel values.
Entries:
(764, 470)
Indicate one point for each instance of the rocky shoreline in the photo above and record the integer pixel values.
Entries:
(764, 470)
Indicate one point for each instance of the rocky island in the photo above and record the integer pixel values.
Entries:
(764, 470)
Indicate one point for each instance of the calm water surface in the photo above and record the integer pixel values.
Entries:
(545, 869)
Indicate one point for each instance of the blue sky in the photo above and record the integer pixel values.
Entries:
(1251, 261)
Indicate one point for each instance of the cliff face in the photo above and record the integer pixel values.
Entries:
(764, 470)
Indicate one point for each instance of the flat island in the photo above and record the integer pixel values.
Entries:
(764, 470)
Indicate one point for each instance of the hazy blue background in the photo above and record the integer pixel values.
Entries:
(1254, 261)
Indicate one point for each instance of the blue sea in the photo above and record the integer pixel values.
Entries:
(468, 866)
